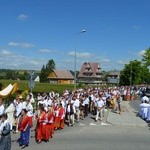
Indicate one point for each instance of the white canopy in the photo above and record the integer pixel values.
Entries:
(10, 89)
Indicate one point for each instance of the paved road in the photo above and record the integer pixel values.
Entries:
(94, 137)
(88, 135)
(135, 104)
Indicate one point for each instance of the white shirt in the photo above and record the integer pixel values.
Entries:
(39, 97)
(2, 109)
(49, 102)
(100, 103)
(19, 109)
(76, 103)
(63, 103)
(68, 109)
(86, 101)
(44, 102)
(30, 110)
(92, 97)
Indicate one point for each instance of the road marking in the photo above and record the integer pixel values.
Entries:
(92, 124)
(81, 124)
(104, 124)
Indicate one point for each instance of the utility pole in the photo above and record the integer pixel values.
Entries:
(131, 76)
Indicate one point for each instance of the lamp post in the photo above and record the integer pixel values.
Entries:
(75, 57)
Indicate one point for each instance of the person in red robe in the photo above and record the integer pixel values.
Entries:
(62, 117)
(59, 117)
(41, 125)
(50, 123)
(24, 127)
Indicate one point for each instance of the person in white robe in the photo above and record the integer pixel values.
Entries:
(10, 113)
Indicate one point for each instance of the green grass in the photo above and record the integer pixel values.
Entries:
(39, 87)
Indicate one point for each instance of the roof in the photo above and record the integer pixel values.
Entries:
(62, 74)
(114, 73)
(92, 65)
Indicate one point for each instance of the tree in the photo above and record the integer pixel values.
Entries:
(42, 74)
(146, 57)
(49, 67)
(134, 73)
(146, 62)
(46, 70)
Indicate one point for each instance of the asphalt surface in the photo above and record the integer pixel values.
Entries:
(135, 104)
(90, 135)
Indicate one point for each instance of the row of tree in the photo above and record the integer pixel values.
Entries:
(13, 74)
(137, 72)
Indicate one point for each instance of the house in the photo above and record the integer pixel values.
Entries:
(90, 73)
(114, 77)
(37, 79)
(61, 77)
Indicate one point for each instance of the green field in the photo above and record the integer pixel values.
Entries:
(39, 87)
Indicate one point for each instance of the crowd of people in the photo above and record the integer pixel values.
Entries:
(54, 111)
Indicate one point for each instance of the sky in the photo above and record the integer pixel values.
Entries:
(35, 31)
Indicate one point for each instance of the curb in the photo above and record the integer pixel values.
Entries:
(125, 125)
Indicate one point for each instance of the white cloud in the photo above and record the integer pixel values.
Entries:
(5, 52)
(106, 60)
(123, 62)
(23, 17)
(12, 60)
(81, 55)
(33, 62)
(44, 51)
(22, 45)
(141, 53)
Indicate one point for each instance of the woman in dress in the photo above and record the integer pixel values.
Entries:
(50, 124)
(40, 124)
(5, 134)
(24, 127)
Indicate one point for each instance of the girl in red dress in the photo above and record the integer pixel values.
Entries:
(41, 123)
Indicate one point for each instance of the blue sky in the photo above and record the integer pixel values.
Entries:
(35, 31)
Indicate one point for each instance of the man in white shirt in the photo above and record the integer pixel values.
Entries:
(19, 107)
(76, 105)
(86, 105)
(100, 105)
(70, 113)
(1, 106)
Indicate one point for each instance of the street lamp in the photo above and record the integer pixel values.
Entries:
(75, 56)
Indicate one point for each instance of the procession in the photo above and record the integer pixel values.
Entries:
(50, 112)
